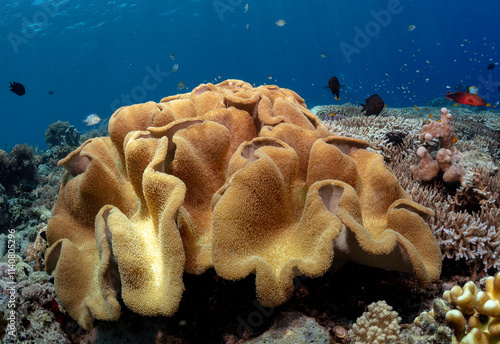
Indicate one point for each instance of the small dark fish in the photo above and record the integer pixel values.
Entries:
(17, 88)
(466, 98)
(51, 92)
(374, 105)
(334, 86)
(491, 66)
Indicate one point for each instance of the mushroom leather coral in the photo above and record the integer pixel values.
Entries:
(267, 221)
(147, 247)
(92, 180)
(239, 178)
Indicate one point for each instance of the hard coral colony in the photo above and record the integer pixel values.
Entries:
(242, 179)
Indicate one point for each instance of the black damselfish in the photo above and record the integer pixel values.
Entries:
(17, 88)
(374, 105)
(334, 86)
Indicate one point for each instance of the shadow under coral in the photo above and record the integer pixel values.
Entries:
(213, 309)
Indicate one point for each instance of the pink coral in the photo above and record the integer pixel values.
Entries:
(437, 153)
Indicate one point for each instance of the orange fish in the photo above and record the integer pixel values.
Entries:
(466, 98)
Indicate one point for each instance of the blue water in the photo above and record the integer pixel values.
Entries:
(98, 55)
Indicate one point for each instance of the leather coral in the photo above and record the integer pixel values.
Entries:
(242, 179)
(348, 207)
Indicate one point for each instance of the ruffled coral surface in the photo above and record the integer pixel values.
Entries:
(242, 179)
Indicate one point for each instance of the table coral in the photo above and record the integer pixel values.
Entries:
(242, 179)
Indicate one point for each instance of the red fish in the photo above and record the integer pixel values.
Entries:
(466, 98)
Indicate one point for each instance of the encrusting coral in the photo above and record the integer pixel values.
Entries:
(242, 179)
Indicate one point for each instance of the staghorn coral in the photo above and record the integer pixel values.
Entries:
(240, 178)
(378, 325)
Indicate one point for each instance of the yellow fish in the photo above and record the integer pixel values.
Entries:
(411, 27)
(181, 85)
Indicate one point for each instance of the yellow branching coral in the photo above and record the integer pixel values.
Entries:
(243, 179)
(481, 310)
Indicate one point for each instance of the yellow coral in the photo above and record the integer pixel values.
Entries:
(240, 178)
(481, 308)
(263, 223)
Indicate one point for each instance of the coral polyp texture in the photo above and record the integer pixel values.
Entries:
(241, 179)
(378, 325)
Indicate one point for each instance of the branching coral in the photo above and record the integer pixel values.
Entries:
(239, 178)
